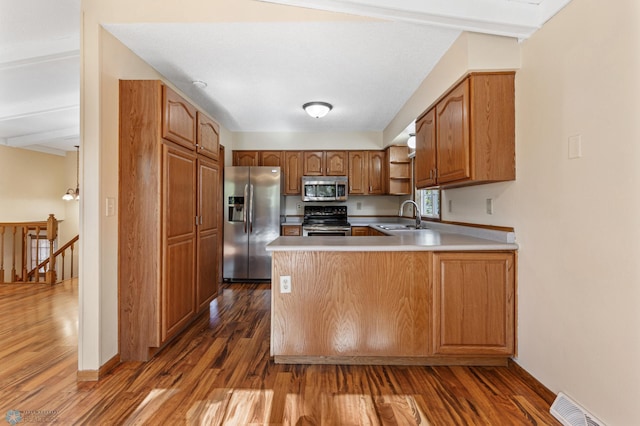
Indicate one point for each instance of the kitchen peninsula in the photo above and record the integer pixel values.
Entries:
(438, 296)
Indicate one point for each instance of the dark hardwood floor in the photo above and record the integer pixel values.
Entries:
(219, 372)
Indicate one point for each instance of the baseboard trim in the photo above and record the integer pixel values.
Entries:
(95, 375)
(534, 383)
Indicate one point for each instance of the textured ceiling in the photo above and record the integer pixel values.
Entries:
(258, 74)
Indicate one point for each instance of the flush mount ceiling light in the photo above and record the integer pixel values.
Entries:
(317, 109)
(199, 84)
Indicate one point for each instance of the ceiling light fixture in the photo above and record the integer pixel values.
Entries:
(317, 109)
(411, 142)
(199, 84)
(74, 194)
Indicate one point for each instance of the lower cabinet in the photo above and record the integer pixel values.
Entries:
(360, 231)
(291, 230)
(473, 303)
(438, 308)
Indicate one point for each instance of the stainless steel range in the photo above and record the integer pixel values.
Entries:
(325, 220)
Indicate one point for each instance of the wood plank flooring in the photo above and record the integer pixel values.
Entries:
(219, 373)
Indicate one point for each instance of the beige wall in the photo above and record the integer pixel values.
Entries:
(577, 221)
(31, 185)
(104, 61)
(470, 52)
(31, 188)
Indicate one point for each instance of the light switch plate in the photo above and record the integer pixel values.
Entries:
(575, 147)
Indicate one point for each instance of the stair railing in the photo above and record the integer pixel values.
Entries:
(18, 234)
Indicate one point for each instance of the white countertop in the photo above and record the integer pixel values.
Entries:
(438, 237)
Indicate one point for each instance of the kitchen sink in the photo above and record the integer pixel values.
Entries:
(398, 227)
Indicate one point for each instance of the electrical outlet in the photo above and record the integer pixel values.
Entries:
(358, 205)
(450, 206)
(299, 206)
(285, 284)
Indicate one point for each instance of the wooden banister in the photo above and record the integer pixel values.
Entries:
(18, 232)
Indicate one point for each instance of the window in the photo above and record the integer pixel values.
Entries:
(429, 202)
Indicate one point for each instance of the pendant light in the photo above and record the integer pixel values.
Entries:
(74, 194)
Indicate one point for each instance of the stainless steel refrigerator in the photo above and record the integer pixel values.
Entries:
(252, 214)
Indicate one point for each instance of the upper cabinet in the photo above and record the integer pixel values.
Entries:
(425, 159)
(208, 136)
(468, 137)
(271, 158)
(179, 119)
(324, 163)
(246, 158)
(366, 172)
(292, 172)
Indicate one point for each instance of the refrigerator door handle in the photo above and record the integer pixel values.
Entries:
(250, 208)
(244, 210)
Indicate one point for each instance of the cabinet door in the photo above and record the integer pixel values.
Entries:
(452, 124)
(208, 208)
(313, 163)
(178, 119)
(474, 307)
(336, 163)
(425, 160)
(292, 172)
(357, 172)
(208, 136)
(271, 158)
(245, 158)
(360, 231)
(179, 230)
(376, 174)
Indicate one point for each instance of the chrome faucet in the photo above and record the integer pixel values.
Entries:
(418, 214)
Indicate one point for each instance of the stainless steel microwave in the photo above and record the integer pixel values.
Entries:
(324, 188)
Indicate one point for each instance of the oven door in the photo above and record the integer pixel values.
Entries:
(319, 230)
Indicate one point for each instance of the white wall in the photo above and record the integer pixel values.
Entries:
(577, 220)
(308, 141)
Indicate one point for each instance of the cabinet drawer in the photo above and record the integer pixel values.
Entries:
(291, 230)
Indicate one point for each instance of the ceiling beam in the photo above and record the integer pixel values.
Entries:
(36, 138)
(31, 114)
(512, 18)
(38, 60)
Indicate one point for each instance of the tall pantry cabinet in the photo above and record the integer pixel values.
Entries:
(169, 198)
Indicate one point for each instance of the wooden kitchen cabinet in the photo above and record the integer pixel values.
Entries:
(291, 230)
(169, 198)
(474, 134)
(425, 159)
(473, 303)
(270, 158)
(324, 163)
(366, 172)
(360, 231)
(208, 136)
(208, 241)
(246, 158)
(179, 239)
(398, 170)
(178, 119)
(292, 172)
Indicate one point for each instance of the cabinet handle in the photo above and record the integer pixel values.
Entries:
(196, 220)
